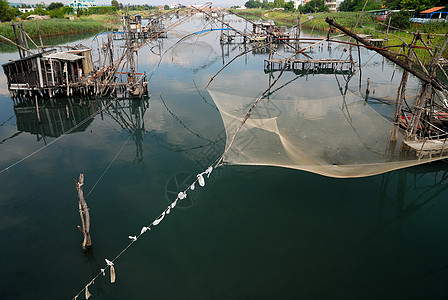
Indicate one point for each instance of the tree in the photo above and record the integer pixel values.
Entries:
(68, 10)
(57, 13)
(418, 5)
(347, 5)
(166, 7)
(115, 3)
(40, 5)
(252, 4)
(399, 19)
(392, 4)
(314, 6)
(279, 3)
(289, 6)
(55, 5)
(7, 13)
(358, 5)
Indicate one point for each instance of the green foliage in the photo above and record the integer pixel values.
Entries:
(98, 10)
(289, 6)
(392, 4)
(116, 4)
(67, 10)
(55, 5)
(53, 27)
(357, 5)
(314, 6)
(279, 3)
(166, 7)
(347, 5)
(57, 13)
(40, 11)
(399, 19)
(346, 19)
(418, 5)
(253, 4)
(7, 13)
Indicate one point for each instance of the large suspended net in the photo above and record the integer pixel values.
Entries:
(341, 136)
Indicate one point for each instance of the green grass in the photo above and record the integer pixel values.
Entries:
(53, 27)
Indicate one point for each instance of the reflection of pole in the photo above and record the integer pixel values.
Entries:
(37, 108)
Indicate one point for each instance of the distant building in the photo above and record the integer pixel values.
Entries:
(26, 9)
(333, 4)
(82, 4)
(177, 6)
(434, 13)
(297, 3)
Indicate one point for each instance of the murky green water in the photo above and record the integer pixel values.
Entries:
(250, 233)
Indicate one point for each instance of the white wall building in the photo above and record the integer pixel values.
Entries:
(298, 2)
(82, 4)
(25, 10)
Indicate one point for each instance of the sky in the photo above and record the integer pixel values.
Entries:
(221, 3)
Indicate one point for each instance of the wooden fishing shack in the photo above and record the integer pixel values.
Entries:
(49, 73)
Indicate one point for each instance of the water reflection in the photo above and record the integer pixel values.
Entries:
(129, 114)
(53, 118)
(56, 117)
(270, 232)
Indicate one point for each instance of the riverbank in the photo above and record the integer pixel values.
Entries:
(55, 27)
(367, 25)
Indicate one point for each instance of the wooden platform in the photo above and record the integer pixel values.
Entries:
(429, 147)
(308, 64)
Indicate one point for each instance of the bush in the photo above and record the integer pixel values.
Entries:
(399, 19)
(57, 13)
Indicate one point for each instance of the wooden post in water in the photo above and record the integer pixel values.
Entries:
(84, 213)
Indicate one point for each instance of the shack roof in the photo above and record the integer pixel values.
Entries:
(63, 56)
(428, 11)
(30, 57)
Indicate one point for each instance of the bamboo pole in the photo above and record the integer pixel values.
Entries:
(84, 213)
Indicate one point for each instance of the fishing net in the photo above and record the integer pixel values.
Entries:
(340, 136)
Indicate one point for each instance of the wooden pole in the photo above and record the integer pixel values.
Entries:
(387, 30)
(17, 40)
(84, 213)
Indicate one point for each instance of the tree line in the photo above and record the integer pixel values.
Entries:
(309, 7)
(59, 10)
(348, 5)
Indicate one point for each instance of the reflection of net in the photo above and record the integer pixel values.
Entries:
(330, 136)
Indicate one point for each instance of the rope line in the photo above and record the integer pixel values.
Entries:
(183, 194)
(110, 164)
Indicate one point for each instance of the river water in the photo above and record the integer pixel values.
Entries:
(253, 232)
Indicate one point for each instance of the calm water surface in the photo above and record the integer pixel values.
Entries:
(251, 233)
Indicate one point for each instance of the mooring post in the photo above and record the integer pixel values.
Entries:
(84, 213)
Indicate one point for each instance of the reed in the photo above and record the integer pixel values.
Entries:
(54, 27)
